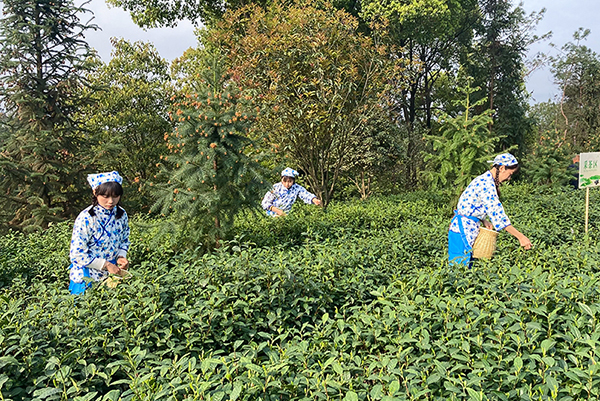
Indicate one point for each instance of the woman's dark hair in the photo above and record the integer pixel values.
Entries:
(108, 189)
(497, 167)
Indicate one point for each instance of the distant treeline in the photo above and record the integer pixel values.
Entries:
(361, 98)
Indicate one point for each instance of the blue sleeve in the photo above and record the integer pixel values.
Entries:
(269, 199)
(495, 210)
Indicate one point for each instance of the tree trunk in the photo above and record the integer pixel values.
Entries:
(217, 222)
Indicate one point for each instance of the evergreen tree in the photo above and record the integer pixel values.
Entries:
(463, 146)
(42, 63)
(210, 172)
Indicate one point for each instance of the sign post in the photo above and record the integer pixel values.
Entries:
(589, 176)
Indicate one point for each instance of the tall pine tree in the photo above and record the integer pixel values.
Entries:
(42, 63)
(210, 172)
(464, 145)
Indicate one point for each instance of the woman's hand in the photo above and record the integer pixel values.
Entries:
(112, 268)
(123, 263)
(488, 225)
(278, 211)
(316, 201)
(525, 242)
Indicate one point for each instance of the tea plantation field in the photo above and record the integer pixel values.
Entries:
(356, 303)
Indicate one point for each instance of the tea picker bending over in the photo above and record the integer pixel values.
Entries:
(100, 239)
(279, 200)
(481, 199)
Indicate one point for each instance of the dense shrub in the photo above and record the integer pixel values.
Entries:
(355, 303)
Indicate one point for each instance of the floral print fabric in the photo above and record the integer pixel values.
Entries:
(95, 180)
(289, 172)
(284, 199)
(97, 239)
(505, 159)
(479, 200)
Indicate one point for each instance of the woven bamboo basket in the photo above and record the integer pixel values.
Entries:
(485, 243)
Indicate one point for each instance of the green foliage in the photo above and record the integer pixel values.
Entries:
(356, 302)
(545, 116)
(503, 35)
(464, 146)
(43, 159)
(157, 13)
(319, 80)
(549, 160)
(570, 124)
(211, 171)
(130, 116)
(577, 72)
(431, 36)
(375, 153)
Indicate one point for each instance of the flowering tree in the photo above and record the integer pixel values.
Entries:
(209, 171)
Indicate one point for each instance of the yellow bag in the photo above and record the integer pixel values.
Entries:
(485, 243)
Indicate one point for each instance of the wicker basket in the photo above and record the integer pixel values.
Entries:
(485, 243)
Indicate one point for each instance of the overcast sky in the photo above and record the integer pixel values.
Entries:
(562, 17)
(170, 42)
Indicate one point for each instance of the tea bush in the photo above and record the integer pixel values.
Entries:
(356, 303)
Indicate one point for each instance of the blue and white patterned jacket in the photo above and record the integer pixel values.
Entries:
(479, 200)
(284, 199)
(98, 238)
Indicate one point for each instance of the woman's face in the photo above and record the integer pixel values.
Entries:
(287, 182)
(505, 174)
(107, 202)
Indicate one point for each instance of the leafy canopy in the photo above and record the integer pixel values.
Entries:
(130, 117)
(319, 80)
(157, 13)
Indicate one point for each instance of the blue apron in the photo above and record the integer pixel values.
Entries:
(459, 250)
(79, 288)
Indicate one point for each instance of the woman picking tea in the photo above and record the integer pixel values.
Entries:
(100, 239)
(480, 200)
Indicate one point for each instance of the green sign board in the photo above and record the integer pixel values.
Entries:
(589, 170)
